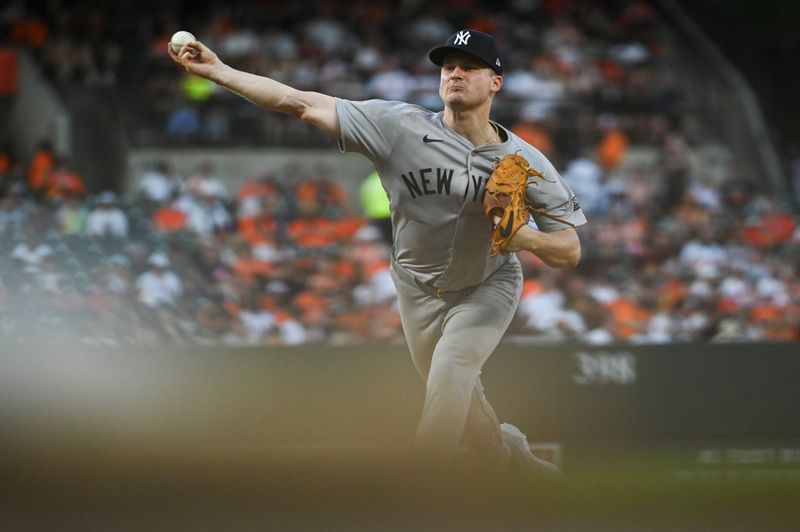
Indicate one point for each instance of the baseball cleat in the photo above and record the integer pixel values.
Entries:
(522, 458)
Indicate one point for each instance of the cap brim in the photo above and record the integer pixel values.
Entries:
(438, 54)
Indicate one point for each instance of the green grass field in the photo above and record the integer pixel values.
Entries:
(365, 488)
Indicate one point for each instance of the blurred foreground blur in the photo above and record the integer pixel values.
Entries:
(109, 439)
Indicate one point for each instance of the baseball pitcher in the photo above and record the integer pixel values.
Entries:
(462, 189)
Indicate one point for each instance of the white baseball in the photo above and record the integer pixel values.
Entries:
(179, 39)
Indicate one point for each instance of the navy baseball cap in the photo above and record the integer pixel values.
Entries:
(473, 42)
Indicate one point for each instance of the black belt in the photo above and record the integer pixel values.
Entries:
(432, 291)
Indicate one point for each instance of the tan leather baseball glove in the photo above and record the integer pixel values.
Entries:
(505, 200)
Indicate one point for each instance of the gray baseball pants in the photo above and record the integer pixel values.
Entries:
(450, 336)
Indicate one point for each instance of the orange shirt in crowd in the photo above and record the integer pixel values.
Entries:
(257, 189)
(30, 32)
(9, 69)
(629, 318)
(535, 136)
(369, 323)
(346, 228)
(248, 268)
(64, 184)
(169, 219)
(309, 301)
(611, 70)
(356, 321)
(771, 230)
(672, 291)
(5, 163)
(332, 193)
(258, 229)
(775, 321)
(612, 149)
(765, 312)
(42, 166)
(531, 287)
(345, 270)
(375, 267)
(313, 232)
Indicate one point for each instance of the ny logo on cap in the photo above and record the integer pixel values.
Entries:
(462, 37)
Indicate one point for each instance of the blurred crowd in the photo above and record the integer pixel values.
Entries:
(566, 63)
(287, 259)
(182, 261)
(676, 249)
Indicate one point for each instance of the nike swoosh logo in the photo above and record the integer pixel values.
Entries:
(505, 232)
(426, 140)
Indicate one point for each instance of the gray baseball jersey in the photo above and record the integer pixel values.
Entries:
(435, 181)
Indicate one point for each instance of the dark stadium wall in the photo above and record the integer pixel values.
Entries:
(631, 395)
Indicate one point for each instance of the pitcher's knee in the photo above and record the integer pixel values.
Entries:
(451, 376)
(461, 353)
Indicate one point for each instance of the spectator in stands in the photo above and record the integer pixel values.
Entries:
(735, 328)
(321, 195)
(262, 215)
(741, 284)
(5, 169)
(206, 213)
(169, 217)
(107, 219)
(613, 145)
(217, 124)
(587, 180)
(183, 122)
(26, 26)
(257, 321)
(600, 327)
(391, 82)
(639, 190)
(64, 183)
(735, 291)
(212, 320)
(159, 286)
(289, 331)
(41, 167)
(32, 250)
(703, 254)
(768, 225)
(534, 133)
(159, 184)
(543, 306)
(205, 178)
(705, 194)
(253, 264)
(71, 216)
(539, 87)
(377, 288)
(677, 163)
(211, 267)
(118, 278)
